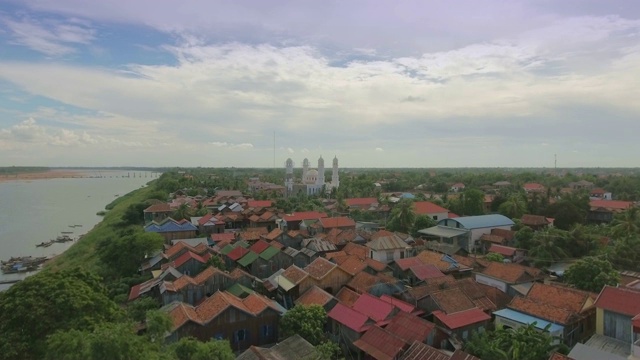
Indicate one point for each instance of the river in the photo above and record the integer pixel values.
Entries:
(39, 210)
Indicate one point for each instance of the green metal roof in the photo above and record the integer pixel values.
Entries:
(242, 243)
(248, 259)
(239, 290)
(227, 249)
(269, 252)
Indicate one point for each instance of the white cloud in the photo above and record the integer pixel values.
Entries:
(231, 146)
(50, 37)
(379, 149)
(290, 150)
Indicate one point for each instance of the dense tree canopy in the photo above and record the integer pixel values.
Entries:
(48, 302)
(123, 255)
(524, 343)
(591, 274)
(306, 321)
(403, 217)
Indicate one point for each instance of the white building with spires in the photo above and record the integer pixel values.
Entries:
(313, 180)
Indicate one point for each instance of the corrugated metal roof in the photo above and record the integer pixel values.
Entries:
(480, 221)
(269, 253)
(387, 242)
(284, 283)
(248, 259)
(527, 319)
(443, 231)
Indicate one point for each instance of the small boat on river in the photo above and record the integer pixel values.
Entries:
(45, 243)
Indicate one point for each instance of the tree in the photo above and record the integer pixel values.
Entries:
(124, 254)
(402, 217)
(191, 349)
(47, 302)
(625, 254)
(134, 214)
(548, 246)
(524, 238)
(591, 274)
(216, 262)
(158, 324)
(494, 257)
(306, 321)
(514, 207)
(182, 212)
(422, 222)
(569, 210)
(329, 350)
(137, 310)
(524, 343)
(627, 223)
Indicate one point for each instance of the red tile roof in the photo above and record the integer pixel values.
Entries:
(452, 300)
(259, 203)
(348, 317)
(534, 220)
(274, 234)
(619, 300)
(542, 310)
(314, 296)
(373, 307)
(407, 263)
(294, 274)
(502, 250)
(336, 222)
(360, 201)
(533, 186)
(410, 327)
(462, 318)
(375, 264)
(353, 265)
(560, 296)
(319, 268)
(306, 215)
(223, 237)
(259, 246)
(380, 344)
(188, 256)
(426, 271)
(427, 207)
(363, 281)
(558, 356)
(510, 273)
(355, 249)
(347, 296)
(610, 204)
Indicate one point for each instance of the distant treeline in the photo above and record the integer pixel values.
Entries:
(22, 169)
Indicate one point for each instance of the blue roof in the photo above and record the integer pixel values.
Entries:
(408, 196)
(528, 319)
(481, 221)
(170, 226)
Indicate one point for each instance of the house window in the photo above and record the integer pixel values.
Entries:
(390, 255)
(371, 254)
(435, 217)
(267, 330)
(232, 316)
(218, 336)
(465, 334)
(242, 335)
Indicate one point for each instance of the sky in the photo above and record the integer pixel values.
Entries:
(413, 83)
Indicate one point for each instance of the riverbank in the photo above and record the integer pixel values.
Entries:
(43, 175)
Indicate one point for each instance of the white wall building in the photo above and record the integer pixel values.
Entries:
(313, 180)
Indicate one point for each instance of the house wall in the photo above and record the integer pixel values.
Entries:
(344, 336)
(226, 326)
(477, 233)
(192, 267)
(175, 235)
(599, 321)
(482, 279)
(331, 283)
(516, 325)
(381, 255)
(438, 216)
(262, 268)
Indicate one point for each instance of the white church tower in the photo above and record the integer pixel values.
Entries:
(288, 180)
(320, 179)
(335, 178)
(305, 167)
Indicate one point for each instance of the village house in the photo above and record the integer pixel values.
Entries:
(361, 203)
(431, 210)
(387, 247)
(293, 347)
(618, 315)
(157, 213)
(535, 222)
(600, 194)
(570, 313)
(602, 211)
(531, 188)
(252, 321)
(420, 351)
(317, 296)
(455, 328)
(377, 285)
(192, 290)
(457, 187)
(151, 287)
(265, 220)
(510, 254)
(509, 278)
(208, 224)
(326, 275)
(292, 222)
(189, 263)
(465, 232)
(171, 229)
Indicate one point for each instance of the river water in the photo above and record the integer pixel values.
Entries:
(39, 210)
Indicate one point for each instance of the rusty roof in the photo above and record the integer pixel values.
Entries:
(314, 296)
(380, 344)
(347, 296)
(533, 220)
(385, 240)
(510, 273)
(355, 249)
(410, 327)
(375, 264)
(421, 351)
(294, 274)
(362, 282)
(319, 268)
(559, 296)
(541, 310)
(452, 300)
(353, 265)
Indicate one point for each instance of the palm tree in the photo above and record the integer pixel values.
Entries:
(403, 216)
(548, 246)
(514, 207)
(627, 223)
(182, 212)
